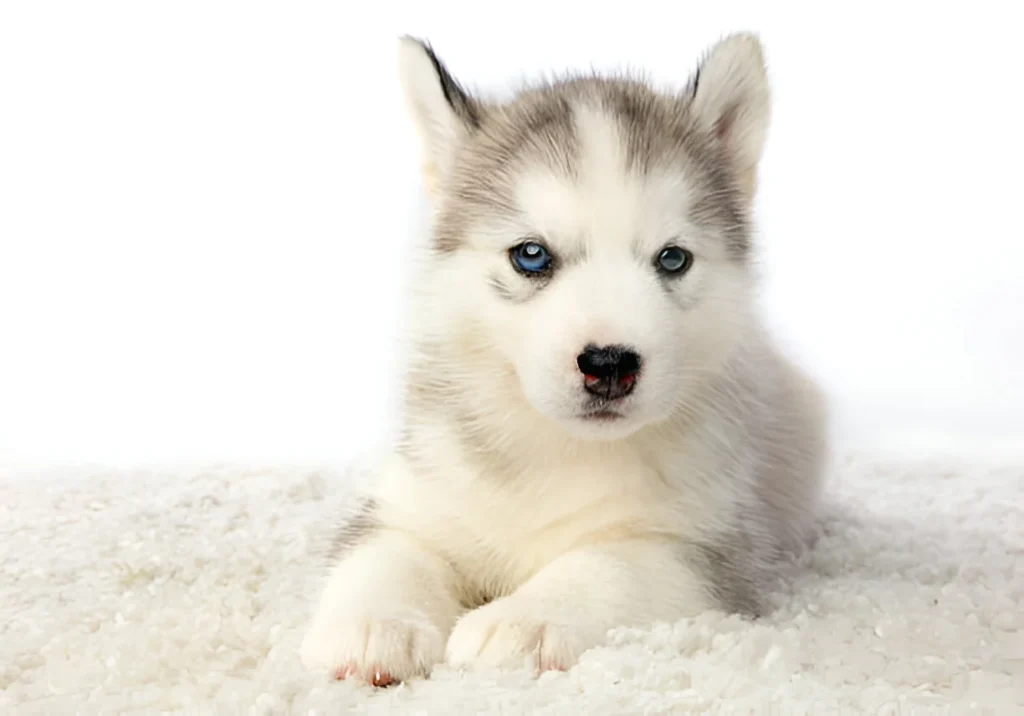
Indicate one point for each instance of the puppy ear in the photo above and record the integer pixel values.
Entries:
(443, 112)
(731, 99)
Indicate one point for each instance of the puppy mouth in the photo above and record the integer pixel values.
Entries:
(603, 415)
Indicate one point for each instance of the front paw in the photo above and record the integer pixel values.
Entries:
(508, 634)
(379, 650)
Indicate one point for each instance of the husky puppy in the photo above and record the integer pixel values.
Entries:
(597, 429)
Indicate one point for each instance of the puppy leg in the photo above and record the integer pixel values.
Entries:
(569, 605)
(385, 613)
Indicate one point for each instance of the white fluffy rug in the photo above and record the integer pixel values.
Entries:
(189, 591)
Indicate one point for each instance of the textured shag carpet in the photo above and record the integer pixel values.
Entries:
(188, 591)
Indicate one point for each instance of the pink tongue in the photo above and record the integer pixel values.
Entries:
(628, 378)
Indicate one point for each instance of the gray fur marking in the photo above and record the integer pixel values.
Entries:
(354, 530)
(730, 581)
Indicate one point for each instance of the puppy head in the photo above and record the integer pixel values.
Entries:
(595, 232)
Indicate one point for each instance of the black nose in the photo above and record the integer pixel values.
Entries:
(609, 371)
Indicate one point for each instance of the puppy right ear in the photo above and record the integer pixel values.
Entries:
(443, 112)
(732, 101)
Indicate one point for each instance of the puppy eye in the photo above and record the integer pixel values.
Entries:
(674, 260)
(530, 257)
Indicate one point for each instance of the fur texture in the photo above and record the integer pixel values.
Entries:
(524, 513)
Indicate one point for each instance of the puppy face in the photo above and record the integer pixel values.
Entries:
(601, 229)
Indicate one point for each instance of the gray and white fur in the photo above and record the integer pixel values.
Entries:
(611, 439)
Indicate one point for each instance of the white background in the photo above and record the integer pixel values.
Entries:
(204, 209)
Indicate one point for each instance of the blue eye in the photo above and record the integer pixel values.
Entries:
(530, 257)
(674, 260)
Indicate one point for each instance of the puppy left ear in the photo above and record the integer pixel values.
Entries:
(443, 112)
(731, 99)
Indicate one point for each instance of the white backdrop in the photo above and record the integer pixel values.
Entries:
(204, 208)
